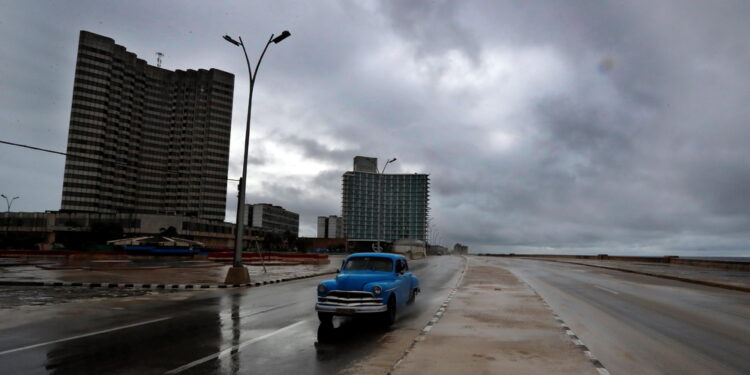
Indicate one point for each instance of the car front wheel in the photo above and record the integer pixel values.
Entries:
(389, 316)
(325, 318)
(412, 296)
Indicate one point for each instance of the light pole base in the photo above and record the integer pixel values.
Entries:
(237, 275)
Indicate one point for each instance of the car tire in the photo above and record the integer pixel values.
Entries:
(412, 297)
(389, 316)
(325, 318)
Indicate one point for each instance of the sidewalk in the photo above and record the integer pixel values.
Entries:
(211, 273)
(728, 279)
(495, 324)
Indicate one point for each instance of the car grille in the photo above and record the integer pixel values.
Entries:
(350, 298)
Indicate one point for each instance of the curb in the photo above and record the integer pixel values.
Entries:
(569, 332)
(676, 278)
(156, 286)
(580, 345)
(435, 318)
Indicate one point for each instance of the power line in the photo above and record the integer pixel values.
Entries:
(85, 158)
(32, 147)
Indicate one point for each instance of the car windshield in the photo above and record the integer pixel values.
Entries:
(369, 264)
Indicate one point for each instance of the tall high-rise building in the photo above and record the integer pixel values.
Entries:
(330, 227)
(401, 201)
(145, 139)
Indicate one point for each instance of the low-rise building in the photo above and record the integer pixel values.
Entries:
(43, 230)
(268, 217)
(460, 249)
(437, 250)
(410, 247)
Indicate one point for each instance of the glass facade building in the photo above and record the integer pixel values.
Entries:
(401, 199)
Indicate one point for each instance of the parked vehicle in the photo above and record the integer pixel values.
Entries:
(368, 283)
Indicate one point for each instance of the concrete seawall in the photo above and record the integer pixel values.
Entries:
(669, 259)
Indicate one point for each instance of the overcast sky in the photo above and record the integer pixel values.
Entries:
(568, 126)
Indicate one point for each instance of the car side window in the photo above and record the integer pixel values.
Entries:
(406, 266)
(400, 266)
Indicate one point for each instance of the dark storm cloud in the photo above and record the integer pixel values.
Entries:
(582, 126)
(313, 148)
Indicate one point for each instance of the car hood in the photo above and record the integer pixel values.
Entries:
(353, 281)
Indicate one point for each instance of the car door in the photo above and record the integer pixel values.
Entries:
(408, 279)
(402, 281)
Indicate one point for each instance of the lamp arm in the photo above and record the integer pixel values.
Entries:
(257, 66)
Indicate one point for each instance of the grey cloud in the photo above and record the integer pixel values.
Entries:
(640, 147)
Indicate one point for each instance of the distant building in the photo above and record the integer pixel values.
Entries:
(401, 201)
(412, 248)
(460, 249)
(143, 139)
(272, 218)
(330, 227)
(437, 250)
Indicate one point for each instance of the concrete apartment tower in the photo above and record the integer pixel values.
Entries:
(143, 139)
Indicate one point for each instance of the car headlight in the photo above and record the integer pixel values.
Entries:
(377, 290)
(321, 288)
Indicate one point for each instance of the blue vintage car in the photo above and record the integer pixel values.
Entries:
(368, 283)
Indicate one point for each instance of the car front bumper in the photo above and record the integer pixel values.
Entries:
(349, 310)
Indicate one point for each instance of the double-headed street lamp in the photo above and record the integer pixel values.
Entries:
(380, 201)
(9, 203)
(238, 273)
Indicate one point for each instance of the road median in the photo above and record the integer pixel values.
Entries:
(177, 276)
(494, 323)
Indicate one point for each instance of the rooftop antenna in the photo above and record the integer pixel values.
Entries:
(158, 59)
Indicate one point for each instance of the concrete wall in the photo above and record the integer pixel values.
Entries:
(719, 264)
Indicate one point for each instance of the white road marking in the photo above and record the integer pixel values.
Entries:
(232, 349)
(84, 335)
(606, 289)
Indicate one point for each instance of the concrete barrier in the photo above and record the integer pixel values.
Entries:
(669, 259)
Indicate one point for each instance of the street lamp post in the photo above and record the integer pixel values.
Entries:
(238, 273)
(8, 203)
(380, 201)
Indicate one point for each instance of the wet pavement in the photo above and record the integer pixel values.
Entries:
(271, 329)
(12, 297)
(637, 324)
(153, 271)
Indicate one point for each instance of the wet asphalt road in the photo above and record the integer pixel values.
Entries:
(270, 330)
(645, 325)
